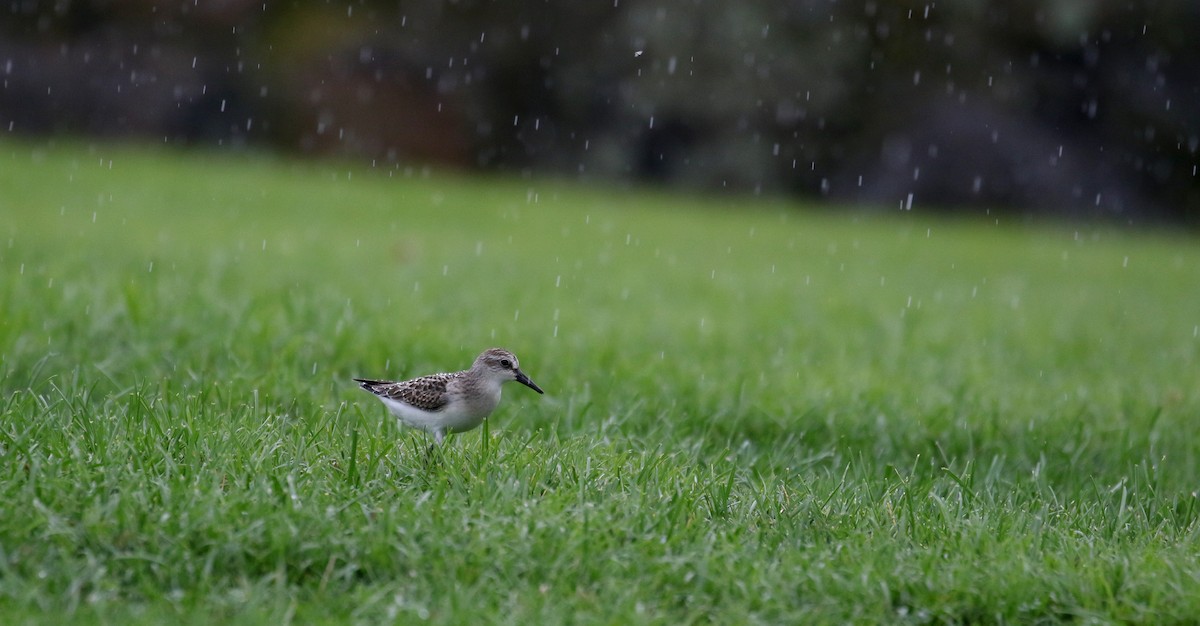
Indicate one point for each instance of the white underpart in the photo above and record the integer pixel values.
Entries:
(464, 412)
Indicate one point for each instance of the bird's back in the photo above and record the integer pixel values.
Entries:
(427, 393)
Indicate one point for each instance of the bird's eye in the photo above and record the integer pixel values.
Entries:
(505, 363)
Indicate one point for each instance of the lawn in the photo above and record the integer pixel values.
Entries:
(756, 412)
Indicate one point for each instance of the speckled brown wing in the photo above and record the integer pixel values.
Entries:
(427, 393)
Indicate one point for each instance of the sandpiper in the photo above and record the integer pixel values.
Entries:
(451, 403)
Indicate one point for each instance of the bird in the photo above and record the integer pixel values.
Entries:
(453, 402)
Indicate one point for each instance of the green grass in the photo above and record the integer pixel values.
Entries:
(755, 413)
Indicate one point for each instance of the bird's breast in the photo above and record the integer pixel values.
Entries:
(484, 401)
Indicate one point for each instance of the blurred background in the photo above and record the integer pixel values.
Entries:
(1070, 108)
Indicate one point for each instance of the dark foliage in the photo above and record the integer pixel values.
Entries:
(1070, 107)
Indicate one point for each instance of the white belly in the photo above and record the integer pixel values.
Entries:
(458, 416)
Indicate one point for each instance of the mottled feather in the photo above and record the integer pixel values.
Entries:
(427, 393)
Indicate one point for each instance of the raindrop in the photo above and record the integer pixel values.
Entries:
(151, 270)
(917, 77)
(1125, 262)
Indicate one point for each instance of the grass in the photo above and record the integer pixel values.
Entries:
(754, 413)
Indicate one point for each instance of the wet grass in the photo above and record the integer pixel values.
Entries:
(754, 413)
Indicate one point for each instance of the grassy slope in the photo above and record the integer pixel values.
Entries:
(754, 414)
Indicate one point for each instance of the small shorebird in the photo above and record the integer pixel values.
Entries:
(454, 402)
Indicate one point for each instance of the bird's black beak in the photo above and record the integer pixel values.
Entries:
(524, 380)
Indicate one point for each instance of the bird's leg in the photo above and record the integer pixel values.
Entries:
(438, 437)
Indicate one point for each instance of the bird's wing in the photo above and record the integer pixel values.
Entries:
(427, 393)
